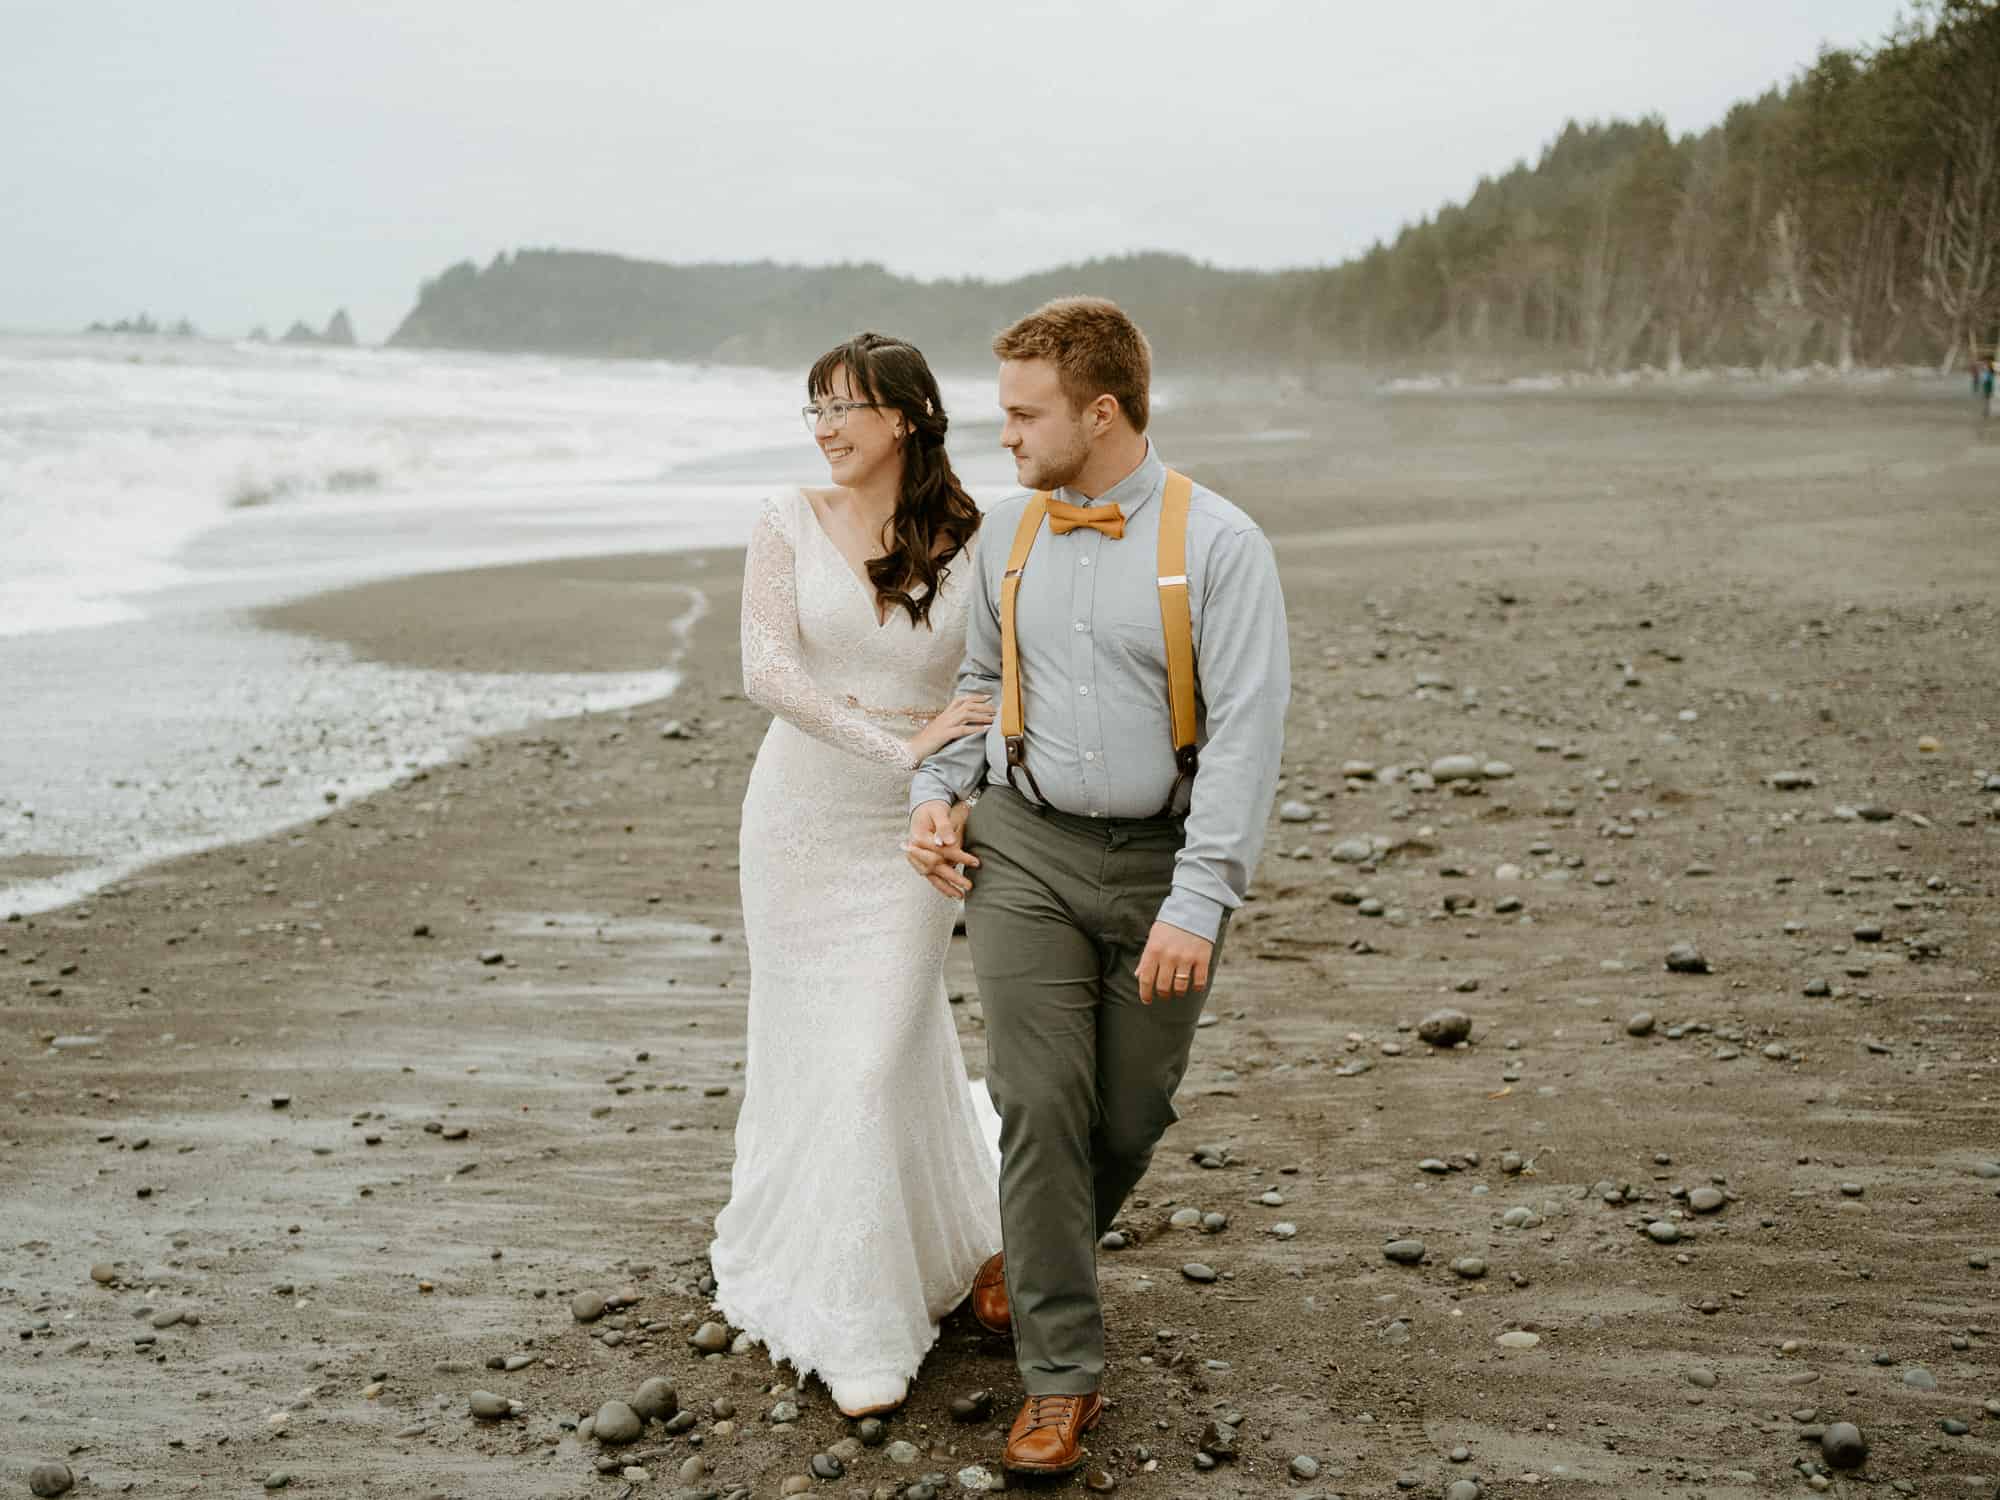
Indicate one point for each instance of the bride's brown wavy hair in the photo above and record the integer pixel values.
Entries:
(935, 518)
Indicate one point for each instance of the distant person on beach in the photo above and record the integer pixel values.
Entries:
(1131, 622)
(863, 1199)
(1982, 386)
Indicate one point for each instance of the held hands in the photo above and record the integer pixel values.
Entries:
(963, 716)
(936, 849)
(1175, 963)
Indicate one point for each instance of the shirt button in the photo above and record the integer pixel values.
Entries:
(1084, 689)
(1081, 627)
(1090, 755)
(1084, 562)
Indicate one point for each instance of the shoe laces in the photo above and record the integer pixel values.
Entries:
(1048, 1411)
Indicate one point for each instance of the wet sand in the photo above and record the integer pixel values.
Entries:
(537, 945)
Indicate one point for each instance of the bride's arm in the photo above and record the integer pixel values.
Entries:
(774, 670)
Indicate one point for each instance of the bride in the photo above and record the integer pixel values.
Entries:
(863, 1197)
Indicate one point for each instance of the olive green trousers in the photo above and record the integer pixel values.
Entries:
(1082, 1074)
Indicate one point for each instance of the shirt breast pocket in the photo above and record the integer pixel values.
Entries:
(1137, 649)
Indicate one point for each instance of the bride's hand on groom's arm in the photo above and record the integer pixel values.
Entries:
(970, 714)
(936, 849)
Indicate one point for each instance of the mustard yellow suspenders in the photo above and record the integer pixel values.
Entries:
(1176, 621)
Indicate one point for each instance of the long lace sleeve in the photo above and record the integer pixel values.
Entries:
(774, 670)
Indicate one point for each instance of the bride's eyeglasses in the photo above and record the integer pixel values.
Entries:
(834, 414)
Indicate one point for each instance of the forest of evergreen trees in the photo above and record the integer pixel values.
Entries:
(1852, 217)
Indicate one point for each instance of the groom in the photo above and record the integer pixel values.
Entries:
(1143, 688)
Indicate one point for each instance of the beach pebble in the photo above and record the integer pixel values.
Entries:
(1917, 1378)
(586, 1307)
(1843, 1446)
(277, 1479)
(1518, 1338)
(1195, 1270)
(1186, 1218)
(1455, 768)
(1404, 1252)
(710, 1338)
(782, 1413)
(1445, 1028)
(656, 1400)
(1706, 1200)
(976, 1480)
(616, 1423)
(51, 1479)
(1640, 1024)
(1686, 958)
(1462, 1489)
(1294, 812)
(1353, 851)
(901, 1452)
(1663, 1232)
(872, 1431)
(489, 1407)
(826, 1466)
(973, 1406)
(104, 1273)
(1304, 1466)
(1471, 1267)
(1283, 1230)
(1952, 1427)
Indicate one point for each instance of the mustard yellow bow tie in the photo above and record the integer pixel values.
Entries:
(1108, 519)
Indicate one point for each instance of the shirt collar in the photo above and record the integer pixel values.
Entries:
(1131, 493)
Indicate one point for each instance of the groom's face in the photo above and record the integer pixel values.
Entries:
(1049, 439)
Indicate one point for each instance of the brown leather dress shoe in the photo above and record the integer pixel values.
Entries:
(1047, 1437)
(989, 1297)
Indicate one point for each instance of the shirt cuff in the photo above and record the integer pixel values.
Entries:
(1192, 912)
(928, 786)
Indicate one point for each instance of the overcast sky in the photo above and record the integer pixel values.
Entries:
(243, 163)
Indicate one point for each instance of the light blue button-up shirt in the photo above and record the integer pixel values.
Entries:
(1094, 681)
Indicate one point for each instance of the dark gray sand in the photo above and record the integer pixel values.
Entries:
(374, 1100)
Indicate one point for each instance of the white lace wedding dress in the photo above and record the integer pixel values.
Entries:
(863, 1197)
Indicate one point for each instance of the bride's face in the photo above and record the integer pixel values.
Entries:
(867, 446)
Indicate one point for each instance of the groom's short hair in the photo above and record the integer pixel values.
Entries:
(1096, 349)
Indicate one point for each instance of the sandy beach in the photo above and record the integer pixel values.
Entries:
(306, 1133)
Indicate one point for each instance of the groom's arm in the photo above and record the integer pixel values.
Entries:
(1245, 671)
(955, 771)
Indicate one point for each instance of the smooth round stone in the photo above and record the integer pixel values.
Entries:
(656, 1399)
(1704, 1378)
(104, 1273)
(1663, 1232)
(1640, 1025)
(586, 1307)
(1471, 1267)
(710, 1338)
(784, 1412)
(1433, 1166)
(871, 1431)
(616, 1423)
(489, 1407)
(826, 1466)
(1404, 1252)
(1353, 851)
(1917, 1378)
(1851, 1190)
(1686, 958)
(1706, 1200)
(1305, 1466)
(1843, 1446)
(1213, 1223)
(1952, 1427)
(1496, 770)
(1462, 1489)
(1185, 1218)
(1444, 1028)
(1370, 906)
(1455, 767)
(1518, 1338)
(973, 1406)
(1460, 1455)
(1194, 1270)
(1100, 1481)
(1993, 1407)
(901, 1452)
(1283, 1230)
(277, 1479)
(1295, 812)
(1520, 1217)
(1272, 1198)
(976, 1480)
(796, 1484)
(49, 1480)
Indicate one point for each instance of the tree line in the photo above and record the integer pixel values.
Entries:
(1850, 217)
